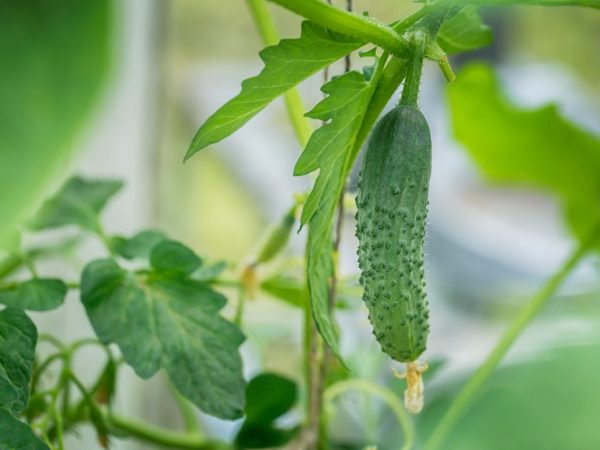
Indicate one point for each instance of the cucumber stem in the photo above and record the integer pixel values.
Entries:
(410, 92)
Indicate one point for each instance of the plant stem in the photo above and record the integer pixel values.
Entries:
(268, 33)
(520, 322)
(384, 394)
(188, 413)
(412, 83)
(363, 28)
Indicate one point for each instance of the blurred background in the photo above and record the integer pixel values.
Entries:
(117, 89)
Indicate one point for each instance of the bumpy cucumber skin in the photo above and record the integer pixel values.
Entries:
(392, 209)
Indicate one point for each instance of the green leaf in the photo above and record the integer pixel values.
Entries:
(331, 149)
(163, 319)
(48, 84)
(138, 246)
(258, 430)
(79, 202)
(38, 294)
(210, 272)
(533, 148)
(286, 64)
(18, 338)
(15, 435)
(464, 32)
(288, 289)
(173, 257)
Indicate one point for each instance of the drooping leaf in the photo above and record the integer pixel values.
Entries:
(331, 150)
(173, 257)
(18, 338)
(286, 64)
(48, 84)
(464, 32)
(16, 435)
(163, 319)
(268, 397)
(38, 294)
(137, 246)
(533, 148)
(79, 202)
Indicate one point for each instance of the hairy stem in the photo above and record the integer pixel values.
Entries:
(520, 322)
(384, 394)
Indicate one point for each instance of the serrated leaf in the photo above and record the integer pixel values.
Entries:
(139, 245)
(18, 338)
(464, 32)
(48, 84)
(159, 320)
(38, 294)
(16, 435)
(79, 202)
(534, 148)
(331, 150)
(286, 65)
(174, 257)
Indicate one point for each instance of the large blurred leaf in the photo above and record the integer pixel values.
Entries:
(38, 294)
(18, 338)
(464, 32)
(15, 435)
(54, 60)
(549, 402)
(535, 148)
(165, 319)
(286, 64)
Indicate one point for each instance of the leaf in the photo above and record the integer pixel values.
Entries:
(15, 435)
(288, 289)
(258, 430)
(464, 32)
(331, 150)
(164, 319)
(286, 65)
(210, 272)
(79, 202)
(18, 338)
(533, 148)
(138, 246)
(48, 84)
(38, 294)
(173, 257)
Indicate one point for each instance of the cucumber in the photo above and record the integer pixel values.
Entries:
(392, 210)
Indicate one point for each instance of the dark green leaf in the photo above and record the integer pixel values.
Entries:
(18, 338)
(138, 246)
(79, 202)
(38, 294)
(264, 437)
(15, 435)
(160, 320)
(330, 149)
(171, 256)
(48, 84)
(286, 64)
(464, 32)
(533, 148)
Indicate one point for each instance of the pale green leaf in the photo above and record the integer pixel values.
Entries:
(164, 320)
(55, 59)
(464, 32)
(79, 202)
(331, 150)
(18, 338)
(534, 148)
(286, 64)
(16, 435)
(38, 294)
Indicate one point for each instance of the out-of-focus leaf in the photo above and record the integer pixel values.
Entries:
(165, 319)
(38, 294)
(288, 289)
(209, 272)
(330, 149)
(79, 202)
(174, 257)
(464, 32)
(534, 148)
(18, 338)
(15, 435)
(268, 397)
(55, 58)
(277, 237)
(286, 64)
(138, 246)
